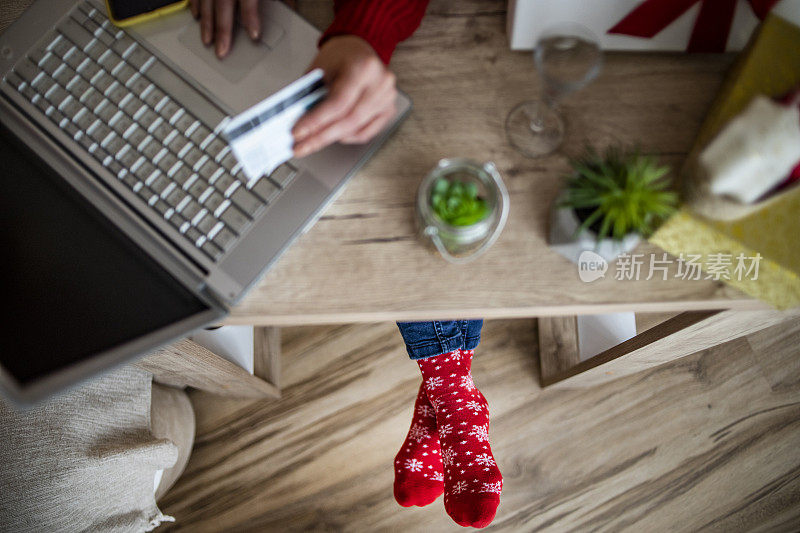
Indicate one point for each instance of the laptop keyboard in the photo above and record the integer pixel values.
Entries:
(91, 80)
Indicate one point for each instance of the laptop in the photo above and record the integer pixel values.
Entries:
(126, 220)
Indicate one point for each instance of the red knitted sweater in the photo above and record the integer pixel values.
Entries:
(382, 23)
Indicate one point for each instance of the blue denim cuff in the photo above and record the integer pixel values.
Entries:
(428, 339)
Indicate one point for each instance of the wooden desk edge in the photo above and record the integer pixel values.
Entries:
(745, 304)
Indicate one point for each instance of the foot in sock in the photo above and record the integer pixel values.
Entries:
(418, 478)
(472, 481)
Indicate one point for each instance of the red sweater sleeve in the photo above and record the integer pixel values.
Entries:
(382, 23)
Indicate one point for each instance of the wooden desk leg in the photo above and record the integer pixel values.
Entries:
(677, 337)
(186, 363)
(267, 354)
(558, 346)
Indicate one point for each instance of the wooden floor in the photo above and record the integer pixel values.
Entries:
(709, 442)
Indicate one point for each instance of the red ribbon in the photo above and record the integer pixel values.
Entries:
(711, 29)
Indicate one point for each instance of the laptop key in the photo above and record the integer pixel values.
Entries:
(161, 207)
(190, 98)
(147, 195)
(77, 85)
(193, 234)
(167, 162)
(105, 111)
(215, 147)
(27, 71)
(246, 201)
(211, 250)
(150, 148)
(169, 109)
(92, 99)
(192, 157)
(88, 70)
(175, 196)
(153, 97)
(144, 170)
(60, 46)
(115, 145)
(190, 209)
(177, 220)
(50, 63)
(200, 135)
(283, 175)
(265, 189)
(224, 238)
(122, 45)
(127, 156)
(135, 135)
(205, 223)
(223, 182)
(178, 143)
(74, 58)
(235, 219)
(124, 73)
(95, 49)
(213, 201)
(75, 32)
(185, 123)
(138, 57)
(116, 92)
(57, 95)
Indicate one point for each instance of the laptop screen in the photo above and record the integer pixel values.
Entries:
(72, 285)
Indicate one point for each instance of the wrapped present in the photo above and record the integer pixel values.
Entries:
(666, 25)
(770, 66)
(749, 164)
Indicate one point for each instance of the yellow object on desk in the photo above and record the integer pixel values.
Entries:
(771, 66)
(166, 9)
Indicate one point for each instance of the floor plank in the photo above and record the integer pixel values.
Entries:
(711, 441)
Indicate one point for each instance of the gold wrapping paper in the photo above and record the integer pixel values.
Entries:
(771, 66)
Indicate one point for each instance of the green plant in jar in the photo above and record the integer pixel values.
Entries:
(616, 193)
(458, 202)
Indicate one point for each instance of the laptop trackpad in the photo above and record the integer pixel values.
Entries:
(244, 55)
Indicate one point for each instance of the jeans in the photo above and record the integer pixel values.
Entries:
(428, 339)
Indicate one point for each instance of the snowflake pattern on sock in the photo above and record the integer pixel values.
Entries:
(480, 432)
(414, 465)
(472, 481)
(418, 477)
(418, 432)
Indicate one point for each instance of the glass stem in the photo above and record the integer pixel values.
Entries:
(549, 101)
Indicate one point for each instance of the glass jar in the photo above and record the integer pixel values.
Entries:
(461, 244)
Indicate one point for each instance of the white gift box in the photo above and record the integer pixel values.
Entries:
(528, 18)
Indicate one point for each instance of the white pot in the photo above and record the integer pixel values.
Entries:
(562, 239)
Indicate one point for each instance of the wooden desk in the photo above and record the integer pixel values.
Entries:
(363, 262)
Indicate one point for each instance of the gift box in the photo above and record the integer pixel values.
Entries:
(675, 25)
(769, 66)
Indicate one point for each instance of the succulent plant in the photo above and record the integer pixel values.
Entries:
(457, 202)
(618, 193)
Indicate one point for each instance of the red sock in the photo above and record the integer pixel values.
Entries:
(418, 478)
(472, 481)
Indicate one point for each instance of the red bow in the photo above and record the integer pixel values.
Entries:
(710, 33)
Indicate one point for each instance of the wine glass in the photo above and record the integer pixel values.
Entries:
(567, 57)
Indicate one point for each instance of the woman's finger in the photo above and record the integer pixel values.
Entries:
(207, 21)
(194, 6)
(223, 25)
(372, 128)
(344, 93)
(367, 107)
(248, 10)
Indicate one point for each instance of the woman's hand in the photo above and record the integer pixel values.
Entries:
(361, 97)
(217, 18)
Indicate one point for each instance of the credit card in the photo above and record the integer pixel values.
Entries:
(261, 137)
